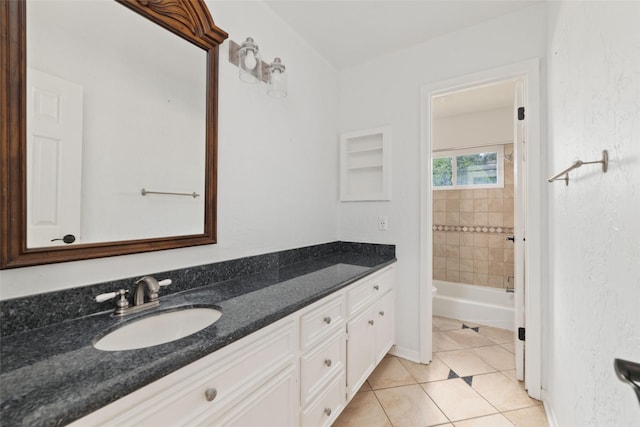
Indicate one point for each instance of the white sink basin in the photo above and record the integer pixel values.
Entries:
(158, 329)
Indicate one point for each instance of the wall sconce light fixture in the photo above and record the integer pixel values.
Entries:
(277, 79)
(252, 69)
(249, 63)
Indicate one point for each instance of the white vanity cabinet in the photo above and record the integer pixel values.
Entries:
(370, 328)
(299, 371)
(250, 382)
(323, 361)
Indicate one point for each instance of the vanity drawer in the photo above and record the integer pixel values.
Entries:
(320, 364)
(370, 290)
(328, 406)
(322, 321)
(211, 384)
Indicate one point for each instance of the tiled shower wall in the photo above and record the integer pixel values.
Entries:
(469, 230)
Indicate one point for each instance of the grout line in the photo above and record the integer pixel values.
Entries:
(382, 406)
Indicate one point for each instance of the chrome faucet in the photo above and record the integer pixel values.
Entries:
(146, 285)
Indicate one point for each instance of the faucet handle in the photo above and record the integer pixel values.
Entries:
(165, 282)
(121, 305)
(110, 295)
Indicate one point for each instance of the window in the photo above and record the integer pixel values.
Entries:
(470, 168)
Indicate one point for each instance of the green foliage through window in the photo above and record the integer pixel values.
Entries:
(442, 172)
(468, 169)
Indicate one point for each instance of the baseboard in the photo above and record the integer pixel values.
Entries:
(405, 353)
(551, 417)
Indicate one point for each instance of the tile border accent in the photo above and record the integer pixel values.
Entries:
(474, 229)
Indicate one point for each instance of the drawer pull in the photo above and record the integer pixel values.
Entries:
(371, 322)
(327, 320)
(210, 394)
(327, 362)
(376, 287)
(381, 313)
(327, 411)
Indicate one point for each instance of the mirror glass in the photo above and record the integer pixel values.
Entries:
(115, 104)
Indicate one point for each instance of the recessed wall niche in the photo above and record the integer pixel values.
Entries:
(364, 165)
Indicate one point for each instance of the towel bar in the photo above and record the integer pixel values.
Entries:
(577, 164)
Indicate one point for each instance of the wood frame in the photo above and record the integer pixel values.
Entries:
(189, 19)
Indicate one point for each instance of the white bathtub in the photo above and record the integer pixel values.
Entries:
(477, 304)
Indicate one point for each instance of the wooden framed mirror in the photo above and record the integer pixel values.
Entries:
(186, 20)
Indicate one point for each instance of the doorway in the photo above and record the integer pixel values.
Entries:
(521, 78)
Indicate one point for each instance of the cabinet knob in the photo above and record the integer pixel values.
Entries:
(327, 362)
(210, 394)
(327, 320)
(327, 411)
(381, 313)
(371, 322)
(376, 287)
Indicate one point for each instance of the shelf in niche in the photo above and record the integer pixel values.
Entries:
(365, 165)
(364, 150)
(355, 168)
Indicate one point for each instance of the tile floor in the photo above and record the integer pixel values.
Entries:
(470, 383)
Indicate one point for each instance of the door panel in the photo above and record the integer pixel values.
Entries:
(54, 159)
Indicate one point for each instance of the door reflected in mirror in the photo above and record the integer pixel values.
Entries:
(115, 104)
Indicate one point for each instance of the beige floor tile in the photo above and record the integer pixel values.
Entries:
(495, 420)
(389, 373)
(501, 392)
(497, 357)
(446, 324)
(457, 400)
(528, 417)
(465, 362)
(409, 406)
(499, 336)
(509, 347)
(468, 338)
(443, 342)
(365, 387)
(434, 371)
(363, 410)
(511, 374)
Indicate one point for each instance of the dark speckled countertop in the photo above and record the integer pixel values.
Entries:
(53, 375)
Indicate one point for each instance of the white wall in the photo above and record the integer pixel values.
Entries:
(594, 234)
(386, 91)
(277, 181)
(477, 129)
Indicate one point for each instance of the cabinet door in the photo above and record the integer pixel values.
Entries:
(275, 404)
(384, 315)
(360, 350)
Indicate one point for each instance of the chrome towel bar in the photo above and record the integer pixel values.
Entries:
(145, 192)
(577, 164)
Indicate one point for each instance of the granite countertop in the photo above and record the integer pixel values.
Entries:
(53, 375)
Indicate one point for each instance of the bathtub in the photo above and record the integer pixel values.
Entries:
(477, 304)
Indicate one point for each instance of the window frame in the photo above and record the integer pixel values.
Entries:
(453, 154)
